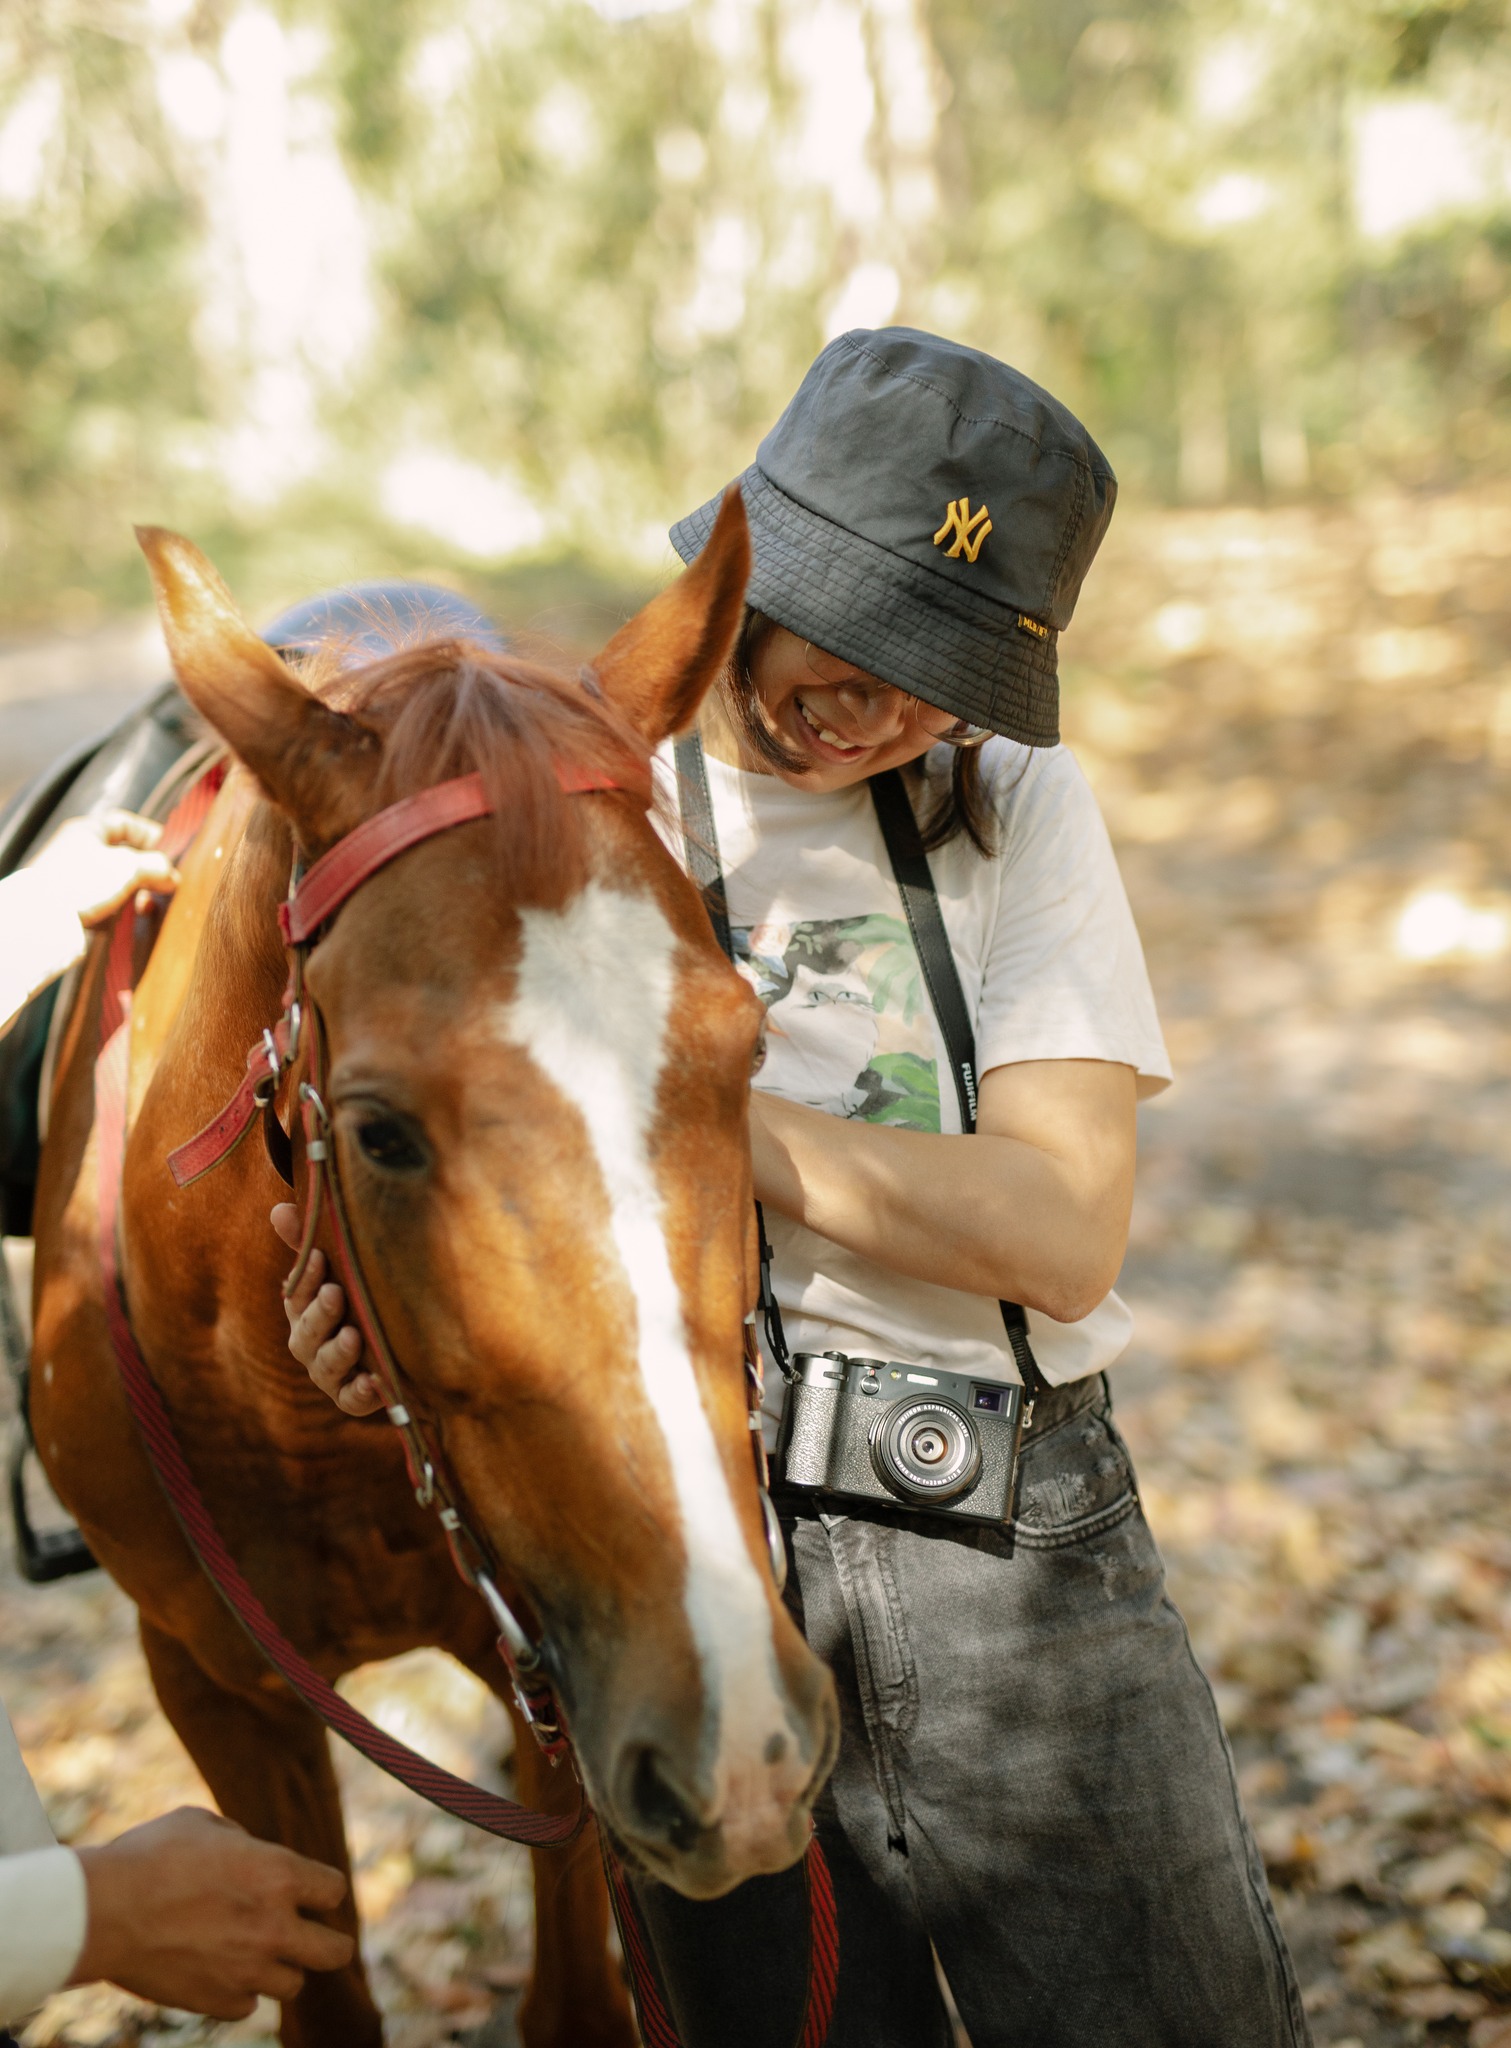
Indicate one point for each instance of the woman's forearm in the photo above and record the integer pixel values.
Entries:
(1044, 1223)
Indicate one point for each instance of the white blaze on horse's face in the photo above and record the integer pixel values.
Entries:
(593, 1007)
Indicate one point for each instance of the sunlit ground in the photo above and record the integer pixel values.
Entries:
(1300, 726)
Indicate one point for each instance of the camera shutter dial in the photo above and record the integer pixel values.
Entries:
(925, 1450)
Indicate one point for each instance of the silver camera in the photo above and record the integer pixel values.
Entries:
(871, 1429)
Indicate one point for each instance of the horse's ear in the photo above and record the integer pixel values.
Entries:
(300, 750)
(657, 669)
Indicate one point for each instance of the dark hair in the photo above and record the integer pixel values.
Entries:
(963, 806)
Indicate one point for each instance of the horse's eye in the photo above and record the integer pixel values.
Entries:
(391, 1143)
(758, 1057)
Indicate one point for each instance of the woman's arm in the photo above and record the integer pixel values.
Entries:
(1033, 1208)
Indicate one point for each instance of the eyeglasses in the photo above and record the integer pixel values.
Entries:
(867, 699)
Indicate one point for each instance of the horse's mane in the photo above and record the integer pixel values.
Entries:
(449, 707)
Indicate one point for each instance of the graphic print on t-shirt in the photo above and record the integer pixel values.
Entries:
(849, 1030)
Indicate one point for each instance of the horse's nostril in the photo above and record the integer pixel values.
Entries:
(659, 1806)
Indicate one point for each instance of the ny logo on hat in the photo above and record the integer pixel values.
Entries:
(968, 528)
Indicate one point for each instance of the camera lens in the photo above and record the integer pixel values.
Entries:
(925, 1450)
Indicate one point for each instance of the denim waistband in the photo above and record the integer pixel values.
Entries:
(1058, 1404)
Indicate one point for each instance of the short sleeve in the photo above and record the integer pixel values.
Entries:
(1064, 976)
(44, 1911)
(23, 1820)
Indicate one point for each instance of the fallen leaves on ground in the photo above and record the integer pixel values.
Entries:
(1299, 724)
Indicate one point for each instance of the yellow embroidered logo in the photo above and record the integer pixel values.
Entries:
(969, 529)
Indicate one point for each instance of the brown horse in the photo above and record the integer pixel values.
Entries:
(539, 1064)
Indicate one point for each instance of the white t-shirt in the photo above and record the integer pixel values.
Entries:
(1051, 966)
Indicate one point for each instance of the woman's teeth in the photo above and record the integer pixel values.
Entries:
(831, 739)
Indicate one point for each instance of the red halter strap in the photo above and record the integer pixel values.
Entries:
(358, 857)
(320, 893)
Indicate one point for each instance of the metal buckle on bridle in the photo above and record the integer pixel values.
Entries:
(267, 1087)
(521, 1651)
(776, 1544)
(533, 1694)
(316, 1147)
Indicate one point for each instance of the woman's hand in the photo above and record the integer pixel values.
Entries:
(91, 865)
(329, 1349)
(191, 1911)
(84, 873)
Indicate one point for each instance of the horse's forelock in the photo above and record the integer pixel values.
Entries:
(445, 708)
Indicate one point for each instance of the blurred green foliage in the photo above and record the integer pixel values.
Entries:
(345, 286)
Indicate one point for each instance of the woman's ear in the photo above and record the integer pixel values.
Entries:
(658, 668)
(312, 761)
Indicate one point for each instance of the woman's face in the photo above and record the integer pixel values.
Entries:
(842, 734)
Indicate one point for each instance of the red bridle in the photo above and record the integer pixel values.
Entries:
(312, 902)
(314, 898)
(338, 874)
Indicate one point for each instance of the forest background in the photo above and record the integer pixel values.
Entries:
(526, 279)
(490, 293)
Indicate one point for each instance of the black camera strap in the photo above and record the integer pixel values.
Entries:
(920, 902)
(700, 836)
(931, 942)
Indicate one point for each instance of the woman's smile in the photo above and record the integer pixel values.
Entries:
(825, 742)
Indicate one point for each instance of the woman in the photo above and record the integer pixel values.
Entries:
(1033, 1784)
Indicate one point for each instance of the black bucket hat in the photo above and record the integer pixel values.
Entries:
(928, 513)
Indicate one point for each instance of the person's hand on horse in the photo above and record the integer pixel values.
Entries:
(191, 1911)
(82, 876)
(329, 1349)
(91, 865)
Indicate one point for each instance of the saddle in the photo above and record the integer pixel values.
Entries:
(145, 755)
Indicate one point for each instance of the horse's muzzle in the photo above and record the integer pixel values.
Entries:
(705, 1831)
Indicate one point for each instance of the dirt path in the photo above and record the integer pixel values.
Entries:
(1299, 723)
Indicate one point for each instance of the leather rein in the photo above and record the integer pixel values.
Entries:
(315, 897)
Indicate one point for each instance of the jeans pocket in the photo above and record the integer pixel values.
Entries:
(1074, 1482)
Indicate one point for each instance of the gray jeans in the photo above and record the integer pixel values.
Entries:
(1032, 1782)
